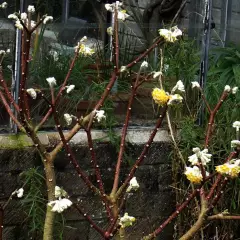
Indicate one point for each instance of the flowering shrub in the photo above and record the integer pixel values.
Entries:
(58, 200)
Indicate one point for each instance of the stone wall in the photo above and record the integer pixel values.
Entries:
(150, 205)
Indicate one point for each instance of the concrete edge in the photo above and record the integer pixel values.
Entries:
(134, 136)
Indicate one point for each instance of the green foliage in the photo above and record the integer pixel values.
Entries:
(33, 201)
(183, 60)
(34, 205)
(226, 66)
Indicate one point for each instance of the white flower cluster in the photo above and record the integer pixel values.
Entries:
(68, 118)
(195, 85)
(51, 81)
(193, 174)
(18, 192)
(133, 185)
(235, 143)
(110, 31)
(178, 87)
(3, 5)
(228, 89)
(203, 155)
(175, 99)
(156, 74)
(69, 88)
(144, 65)
(126, 220)
(23, 18)
(170, 35)
(121, 14)
(2, 52)
(83, 48)
(236, 125)
(99, 115)
(62, 203)
(32, 93)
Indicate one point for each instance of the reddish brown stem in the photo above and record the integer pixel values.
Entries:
(212, 117)
(73, 160)
(60, 91)
(218, 193)
(8, 109)
(171, 217)
(143, 154)
(23, 99)
(7, 92)
(205, 101)
(136, 60)
(89, 219)
(97, 171)
(219, 177)
(122, 144)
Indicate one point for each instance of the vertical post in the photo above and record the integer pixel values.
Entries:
(205, 50)
(229, 18)
(65, 10)
(226, 15)
(17, 69)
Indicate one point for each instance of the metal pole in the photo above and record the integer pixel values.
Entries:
(65, 10)
(205, 51)
(17, 69)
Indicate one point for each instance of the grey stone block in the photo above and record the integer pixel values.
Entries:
(158, 153)
(17, 159)
(140, 204)
(13, 213)
(76, 230)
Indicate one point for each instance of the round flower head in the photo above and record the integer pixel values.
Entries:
(99, 115)
(126, 220)
(122, 15)
(3, 5)
(68, 118)
(18, 25)
(47, 19)
(195, 85)
(236, 125)
(144, 65)
(231, 169)
(156, 74)
(70, 88)
(60, 205)
(51, 81)
(31, 9)
(234, 90)
(19, 192)
(110, 31)
(133, 185)
(179, 86)
(227, 88)
(193, 174)
(23, 16)
(203, 155)
(175, 99)
(32, 93)
(160, 96)
(170, 35)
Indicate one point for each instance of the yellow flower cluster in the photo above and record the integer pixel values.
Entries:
(231, 169)
(193, 174)
(160, 96)
(86, 50)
